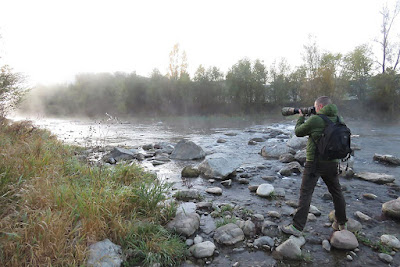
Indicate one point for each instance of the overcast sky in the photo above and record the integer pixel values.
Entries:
(50, 41)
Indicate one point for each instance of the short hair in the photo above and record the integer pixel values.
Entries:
(323, 100)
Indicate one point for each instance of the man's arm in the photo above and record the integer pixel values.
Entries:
(302, 127)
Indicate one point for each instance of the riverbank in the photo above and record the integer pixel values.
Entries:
(53, 207)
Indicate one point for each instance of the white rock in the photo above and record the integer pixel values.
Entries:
(385, 257)
(203, 249)
(289, 249)
(265, 190)
(390, 241)
(392, 208)
(214, 190)
(326, 245)
(379, 178)
(198, 239)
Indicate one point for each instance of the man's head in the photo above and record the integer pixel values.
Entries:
(321, 102)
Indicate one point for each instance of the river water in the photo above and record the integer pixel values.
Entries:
(369, 137)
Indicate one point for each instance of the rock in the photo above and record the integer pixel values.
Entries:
(326, 245)
(207, 224)
(228, 234)
(148, 147)
(344, 240)
(270, 229)
(353, 225)
(120, 154)
(190, 172)
(279, 192)
(252, 188)
(275, 151)
(300, 241)
(390, 241)
(243, 181)
(286, 158)
(389, 159)
(379, 178)
(218, 167)
(186, 207)
(290, 168)
(314, 210)
(249, 228)
(311, 217)
(301, 156)
(289, 250)
(202, 250)
(297, 143)
(189, 242)
(269, 178)
(214, 190)
(392, 208)
(185, 223)
(104, 253)
(204, 205)
(264, 240)
(187, 194)
(349, 257)
(385, 258)
(265, 190)
(221, 141)
(252, 143)
(162, 157)
(258, 139)
(198, 239)
(187, 150)
(157, 163)
(292, 203)
(370, 196)
(230, 134)
(274, 214)
(362, 216)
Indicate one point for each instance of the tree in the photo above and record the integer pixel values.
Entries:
(390, 51)
(177, 64)
(12, 89)
(357, 69)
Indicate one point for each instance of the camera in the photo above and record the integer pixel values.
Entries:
(287, 111)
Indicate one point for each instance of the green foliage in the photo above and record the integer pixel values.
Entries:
(378, 246)
(12, 89)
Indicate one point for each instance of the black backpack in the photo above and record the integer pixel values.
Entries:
(335, 140)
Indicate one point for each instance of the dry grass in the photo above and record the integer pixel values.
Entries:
(52, 207)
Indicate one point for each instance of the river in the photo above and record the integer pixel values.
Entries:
(368, 137)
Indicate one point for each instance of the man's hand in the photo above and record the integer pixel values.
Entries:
(301, 113)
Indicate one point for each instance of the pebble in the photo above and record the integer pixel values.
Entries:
(370, 196)
(349, 258)
(326, 245)
(362, 216)
(353, 254)
(236, 264)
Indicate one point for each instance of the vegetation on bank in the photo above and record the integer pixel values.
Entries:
(52, 206)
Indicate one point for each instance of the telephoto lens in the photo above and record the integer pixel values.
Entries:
(287, 111)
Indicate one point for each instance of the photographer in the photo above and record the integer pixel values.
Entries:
(316, 167)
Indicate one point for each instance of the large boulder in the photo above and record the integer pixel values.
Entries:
(187, 150)
(344, 240)
(185, 223)
(388, 159)
(229, 234)
(378, 178)
(104, 253)
(392, 208)
(120, 154)
(276, 150)
(297, 143)
(218, 167)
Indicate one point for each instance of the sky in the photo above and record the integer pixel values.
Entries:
(51, 41)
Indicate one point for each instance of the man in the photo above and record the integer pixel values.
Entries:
(316, 167)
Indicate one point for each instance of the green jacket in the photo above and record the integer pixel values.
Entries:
(314, 127)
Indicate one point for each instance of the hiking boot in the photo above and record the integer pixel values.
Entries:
(291, 230)
(339, 227)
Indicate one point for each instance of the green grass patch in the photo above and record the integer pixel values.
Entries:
(378, 246)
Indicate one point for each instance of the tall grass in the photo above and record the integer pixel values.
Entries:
(52, 207)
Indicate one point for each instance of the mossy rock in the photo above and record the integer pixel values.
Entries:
(190, 172)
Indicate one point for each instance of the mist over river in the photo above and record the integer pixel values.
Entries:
(368, 138)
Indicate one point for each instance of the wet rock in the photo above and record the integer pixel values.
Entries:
(221, 141)
(297, 143)
(390, 241)
(378, 178)
(104, 253)
(252, 143)
(218, 167)
(214, 190)
(388, 159)
(190, 172)
(344, 240)
(243, 181)
(392, 208)
(258, 139)
(385, 258)
(187, 194)
(185, 223)
(270, 229)
(326, 245)
(148, 147)
(164, 147)
(265, 190)
(228, 234)
(286, 158)
(275, 151)
(252, 188)
(290, 168)
(162, 157)
(202, 250)
(264, 240)
(362, 216)
(269, 178)
(314, 210)
(370, 196)
(301, 156)
(157, 162)
(249, 228)
(230, 134)
(120, 154)
(187, 150)
(289, 250)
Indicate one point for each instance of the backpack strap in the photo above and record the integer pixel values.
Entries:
(326, 119)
